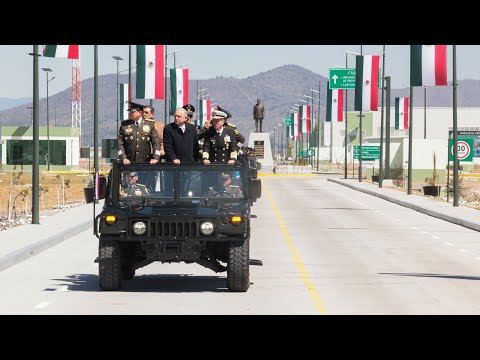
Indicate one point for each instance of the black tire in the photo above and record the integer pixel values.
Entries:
(238, 267)
(109, 265)
(128, 274)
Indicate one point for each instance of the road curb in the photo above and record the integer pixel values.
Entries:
(36, 248)
(465, 223)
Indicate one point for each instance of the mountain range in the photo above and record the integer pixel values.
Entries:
(279, 89)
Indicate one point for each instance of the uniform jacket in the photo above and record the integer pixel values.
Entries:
(137, 145)
(179, 145)
(232, 190)
(220, 148)
(160, 126)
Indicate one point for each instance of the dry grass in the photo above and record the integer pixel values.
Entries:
(50, 194)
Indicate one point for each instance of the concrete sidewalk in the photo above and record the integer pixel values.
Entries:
(21, 242)
(461, 215)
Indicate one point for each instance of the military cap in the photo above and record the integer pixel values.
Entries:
(218, 115)
(134, 106)
(225, 111)
(225, 176)
(190, 109)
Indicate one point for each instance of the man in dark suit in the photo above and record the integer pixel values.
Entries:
(180, 139)
(137, 138)
(220, 145)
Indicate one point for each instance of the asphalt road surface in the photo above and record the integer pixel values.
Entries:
(326, 249)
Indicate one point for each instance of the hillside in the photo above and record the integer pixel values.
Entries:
(278, 88)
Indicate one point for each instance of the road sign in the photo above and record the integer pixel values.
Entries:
(464, 149)
(345, 78)
(368, 152)
(288, 121)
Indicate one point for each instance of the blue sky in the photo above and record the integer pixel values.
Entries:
(207, 61)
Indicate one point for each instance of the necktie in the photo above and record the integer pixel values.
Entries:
(136, 124)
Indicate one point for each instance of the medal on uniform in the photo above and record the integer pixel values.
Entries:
(226, 138)
(143, 137)
(146, 128)
(129, 130)
(131, 137)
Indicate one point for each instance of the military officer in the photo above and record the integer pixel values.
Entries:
(220, 145)
(137, 138)
(224, 188)
(133, 188)
(239, 138)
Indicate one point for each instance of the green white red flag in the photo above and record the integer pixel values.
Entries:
(334, 104)
(401, 113)
(428, 65)
(205, 112)
(150, 72)
(179, 88)
(62, 51)
(366, 83)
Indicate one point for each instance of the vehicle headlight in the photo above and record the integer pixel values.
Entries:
(139, 228)
(206, 228)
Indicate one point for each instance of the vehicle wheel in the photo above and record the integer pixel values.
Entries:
(238, 267)
(128, 274)
(109, 264)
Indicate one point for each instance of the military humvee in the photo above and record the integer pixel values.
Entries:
(187, 215)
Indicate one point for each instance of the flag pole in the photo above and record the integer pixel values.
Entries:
(165, 85)
(455, 134)
(410, 137)
(360, 171)
(380, 173)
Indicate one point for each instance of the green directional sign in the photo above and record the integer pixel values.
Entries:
(345, 78)
(288, 121)
(464, 149)
(368, 152)
(311, 152)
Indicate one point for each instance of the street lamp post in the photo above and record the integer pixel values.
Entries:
(47, 70)
(346, 115)
(118, 59)
(318, 123)
(424, 112)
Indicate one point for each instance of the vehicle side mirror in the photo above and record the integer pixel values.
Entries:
(255, 188)
(89, 192)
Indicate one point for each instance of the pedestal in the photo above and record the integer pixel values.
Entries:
(260, 142)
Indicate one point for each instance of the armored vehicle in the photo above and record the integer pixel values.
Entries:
(192, 213)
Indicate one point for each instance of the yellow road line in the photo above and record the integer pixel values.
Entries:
(298, 261)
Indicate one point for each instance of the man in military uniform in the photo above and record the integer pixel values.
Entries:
(133, 188)
(224, 188)
(137, 138)
(220, 145)
(239, 138)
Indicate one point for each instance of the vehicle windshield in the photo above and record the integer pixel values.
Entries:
(181, 184)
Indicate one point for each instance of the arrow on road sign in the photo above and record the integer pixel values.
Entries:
(334, 77)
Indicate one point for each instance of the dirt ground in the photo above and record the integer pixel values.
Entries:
(55, 190)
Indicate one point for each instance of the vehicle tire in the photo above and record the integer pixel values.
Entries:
(238, 267)
(128, 274)
(109, 264)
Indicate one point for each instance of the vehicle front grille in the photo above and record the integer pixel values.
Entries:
(174, 228)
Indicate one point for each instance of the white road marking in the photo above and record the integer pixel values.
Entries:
(424, 232)
(42, 305)
(63, 288)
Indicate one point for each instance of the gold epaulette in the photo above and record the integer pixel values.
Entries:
(231, 125)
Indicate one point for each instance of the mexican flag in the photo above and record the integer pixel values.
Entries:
(401, 113)
(296, 128)
(179, 88)
(204, 112)
(123, 101)
(305, 111)
(366, 83)
(62, 51)
(150, 72)
(428, 65)
(334, 104)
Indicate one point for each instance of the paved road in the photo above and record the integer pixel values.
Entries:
(326, 249)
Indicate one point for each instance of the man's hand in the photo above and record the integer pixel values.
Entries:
(126, 162)
(206, 161)
(153, 161)
(176, 161)
(231, 162)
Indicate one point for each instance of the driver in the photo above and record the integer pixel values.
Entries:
(225, 188)
(133, 188)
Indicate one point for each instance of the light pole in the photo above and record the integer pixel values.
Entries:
(47, 70)
(346, 113)
(118, 59)
(424, 112)
(318, 123)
